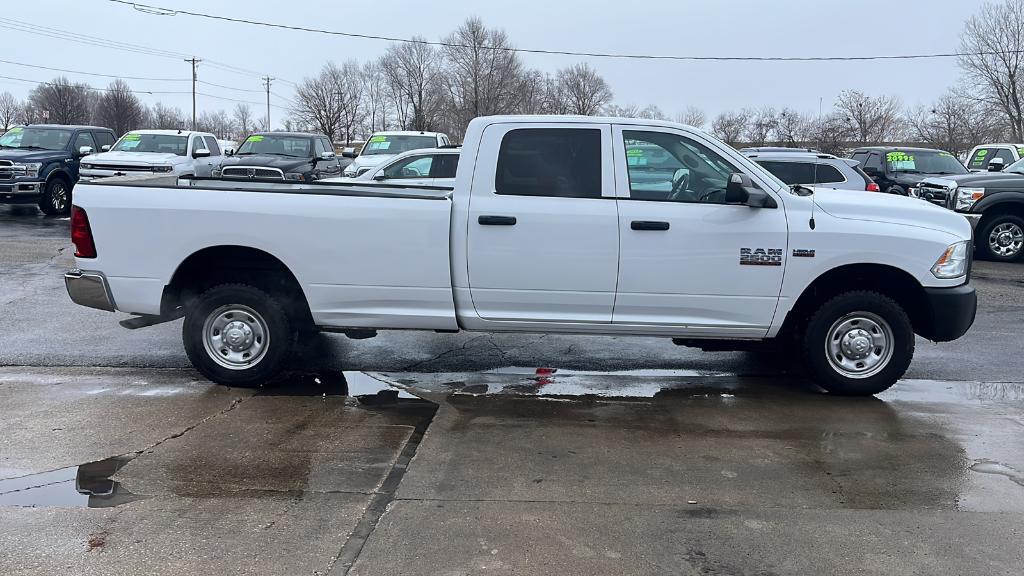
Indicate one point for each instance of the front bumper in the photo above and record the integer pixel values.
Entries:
(950, 312)
(90, 289)
(16, 192)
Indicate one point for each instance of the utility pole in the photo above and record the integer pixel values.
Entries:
(266, 81)
(194, 61)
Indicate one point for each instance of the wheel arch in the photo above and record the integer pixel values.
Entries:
(222, 264)
(883, 278)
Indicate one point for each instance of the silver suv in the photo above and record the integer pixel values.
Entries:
(798, 166)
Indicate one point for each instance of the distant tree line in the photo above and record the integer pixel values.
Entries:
(475, 72)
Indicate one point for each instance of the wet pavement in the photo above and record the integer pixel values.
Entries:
(507, 454)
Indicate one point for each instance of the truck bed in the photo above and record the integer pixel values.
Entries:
(365, 255)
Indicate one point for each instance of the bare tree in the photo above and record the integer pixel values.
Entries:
(954, 123)
(483, 75)
(693, 116)
(584, 90)
(413, 71)
(120, 109)
(318, 102)
(30, 114)
(993, 46)
(626, 111)
(375, 88)
(830, 133)
(731, 126)
(218, 123)
(792, 128)
(163, 117)
(10, 110)
(349, 84)
(763, 123)
(243, 120)
(64, 102)
(873, 119)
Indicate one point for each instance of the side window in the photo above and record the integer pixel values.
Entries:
(328, 147)
(318, 147)
(663, 166)
(826, 174)
(789, 172)
(85, 139)
(212, 145)
(413, 167)
(874, 162)
(860, 157)
(979, 161)
(197, 143)
(1004, 154)
(445, 166)
(103, 139)
(556, 162)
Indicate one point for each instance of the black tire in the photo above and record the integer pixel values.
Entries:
(56, 197)
(1010, 227)
(257, 310)
(899, 191)
(864, 313)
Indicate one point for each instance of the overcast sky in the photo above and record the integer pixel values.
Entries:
(679, 27)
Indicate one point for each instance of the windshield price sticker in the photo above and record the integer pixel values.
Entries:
(255, 138)
(14, 131)
(377, 139)
(130, 143)
(132, 136)
(900, 161)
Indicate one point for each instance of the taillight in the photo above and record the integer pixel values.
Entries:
(81, 234)
(872, 187)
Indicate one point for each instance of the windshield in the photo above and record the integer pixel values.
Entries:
(36, 138)
(297, 146)
(384, 144)
(924, 162)
(1017, 167)
(155, 143)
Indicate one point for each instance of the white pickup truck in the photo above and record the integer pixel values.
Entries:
(553, 225)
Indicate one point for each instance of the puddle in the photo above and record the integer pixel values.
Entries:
(985, 466)
(646, 372)
(85, 486)
(359, 385)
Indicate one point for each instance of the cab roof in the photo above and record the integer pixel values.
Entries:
(171, 132)
(64, 127)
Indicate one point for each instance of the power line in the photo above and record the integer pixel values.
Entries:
(93, 73)
(161, 11)
(230, 87)
(95, 89)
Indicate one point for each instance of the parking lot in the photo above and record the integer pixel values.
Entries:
(511, 454)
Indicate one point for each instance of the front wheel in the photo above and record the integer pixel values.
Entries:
(56, 197)
(1002, 238)
(237, 335)
(858, 344)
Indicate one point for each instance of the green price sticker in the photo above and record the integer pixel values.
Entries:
(377, 139)
(982, 152)
(131, 136)
(255, 138)
(635, 152)
(945, 154)
(14, 130)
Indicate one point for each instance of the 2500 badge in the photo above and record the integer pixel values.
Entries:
(760, 256)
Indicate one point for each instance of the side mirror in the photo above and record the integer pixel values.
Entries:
(229, 152)
(85, 150)
(742, 190)
(380, 177)
(996, 165)
(105, 148)
(327, 155)
(200, 153)
(348, 153)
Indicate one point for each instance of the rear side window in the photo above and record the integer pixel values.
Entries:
(103, 138)
(444, 166)
(803, 172)
(558, 162)
(860, 157)
(867, 179)
(874, 162)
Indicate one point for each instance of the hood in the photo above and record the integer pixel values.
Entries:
(283, 163)
(913, 179)
(892, 209)
(983, 180)
(31, 155)
(371, 161)
(134, 158)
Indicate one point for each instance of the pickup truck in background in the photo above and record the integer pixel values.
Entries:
(159, 152)
(299, 156)
(993, 157)
(900, 170)
(39, 164)
(548, 229)
(383, 146)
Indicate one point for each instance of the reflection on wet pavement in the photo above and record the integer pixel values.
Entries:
(86, 486)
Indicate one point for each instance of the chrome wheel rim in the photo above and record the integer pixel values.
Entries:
(1006, 239)
(859, 345)
(236, 337)
(58, 195)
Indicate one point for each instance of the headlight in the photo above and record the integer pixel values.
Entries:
(966, 197)
(349, 171)
(31, 168)
(162, 168)
(85, 166)
(953, 262)
(295, 176)
(216, 172)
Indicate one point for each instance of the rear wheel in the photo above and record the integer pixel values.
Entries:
(237, 335)
(1002, 238)
(858, 344)
(56, 197)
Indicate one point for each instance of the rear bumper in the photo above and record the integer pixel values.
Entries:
(951, 312)
(20, 192)
(89, 289)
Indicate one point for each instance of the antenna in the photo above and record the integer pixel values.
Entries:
(813, 203)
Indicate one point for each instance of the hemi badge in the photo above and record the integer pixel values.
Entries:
(803, 253)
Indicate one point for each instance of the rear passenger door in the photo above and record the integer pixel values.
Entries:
(543, 236)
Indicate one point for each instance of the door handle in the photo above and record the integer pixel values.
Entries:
(497, 220)
(648, 225)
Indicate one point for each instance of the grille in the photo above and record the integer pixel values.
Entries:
(251, 172)
(935, 193)
(7, 170)
(117, 168)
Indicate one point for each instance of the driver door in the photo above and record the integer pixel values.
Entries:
(681, 244)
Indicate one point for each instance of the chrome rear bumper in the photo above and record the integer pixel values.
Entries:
(89, 289)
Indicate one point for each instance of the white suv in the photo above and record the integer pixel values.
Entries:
(165, 152)
(383, 146)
